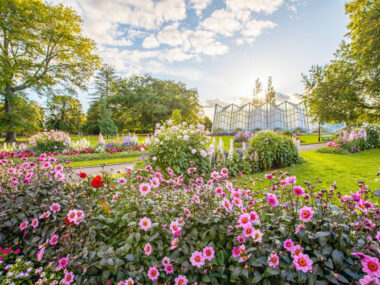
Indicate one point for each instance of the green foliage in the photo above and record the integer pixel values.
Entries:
(104, 81)
(27, 117)
(288, 133)
(270, 94)
(373, 135)
(140, 102)
(270, 150)
(208, 123)
(106, 124)
(42, 45)
(334, 150)
(65, 114)
(348, 88)
(179, 147)
(93, 113)
(176, 117)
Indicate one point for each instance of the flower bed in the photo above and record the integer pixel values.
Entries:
(145, 226)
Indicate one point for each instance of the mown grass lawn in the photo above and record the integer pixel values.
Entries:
(346, 170)
(104, 161)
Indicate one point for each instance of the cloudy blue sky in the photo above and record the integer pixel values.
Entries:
(217, 46)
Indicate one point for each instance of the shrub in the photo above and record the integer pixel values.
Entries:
(373, 135)
(334, 150)
(241, 232)
(243, 136)
(288, 133)
(270, 150)
(50, 141)
(179, 147)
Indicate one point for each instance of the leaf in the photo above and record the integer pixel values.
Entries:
(321, 234)
(337, 256)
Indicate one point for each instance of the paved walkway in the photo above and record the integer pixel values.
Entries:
(111, 168)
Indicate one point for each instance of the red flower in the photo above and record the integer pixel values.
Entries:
(68, 222)
(97, 182)
(82, 175)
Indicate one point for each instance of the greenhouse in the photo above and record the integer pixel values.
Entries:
(250, 117)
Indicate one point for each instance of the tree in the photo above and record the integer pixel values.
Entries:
(256, 93)
(27, 117)
(142, 101)
(92, 117)
(176, 117)
(41, 45)
(208, 123)
(270, 94)
(348, 88)
(103, 82)
(106, 124)
(65, 113)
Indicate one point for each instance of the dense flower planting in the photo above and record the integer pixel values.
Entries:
(147, 226)
(366, 137)
(179, 148)
(50, 141)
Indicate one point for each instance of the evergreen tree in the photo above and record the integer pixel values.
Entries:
(106, 124)
(176, 117)
(103, 83)
(270, 95)
(256, 93)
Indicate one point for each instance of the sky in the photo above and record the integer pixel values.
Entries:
(217, 46)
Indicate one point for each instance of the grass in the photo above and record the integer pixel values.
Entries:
(346, 170)
(104, 161)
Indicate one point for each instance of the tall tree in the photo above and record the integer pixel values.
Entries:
(256, 92)
(348, 88)
(92, 117)
(41, 45)
(270, 94)
(106, 124)
(176, 117)
(27, 117)
(65, 113)
(104, 80)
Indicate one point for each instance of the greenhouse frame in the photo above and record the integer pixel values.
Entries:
(283, 116)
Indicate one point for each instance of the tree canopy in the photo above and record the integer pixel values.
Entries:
(41, 45)
(348, 88)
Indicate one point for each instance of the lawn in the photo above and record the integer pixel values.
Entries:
(104, 161)
(346, 170)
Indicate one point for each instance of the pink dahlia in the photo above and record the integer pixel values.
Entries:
(174, 243)
(368, 280)
(155, 182)
(23, 225)
(63, 262)
(153, 273)
(227, 205)
(299, 191)
(272, 200)
(165, 261)
(248, 231)
(34, 223)
(54, 240)
(257, 236)
(147, 249)
(303, 263)
(224, 172)
(145, 224)
(306, 213)
(169, 269)
(273, 260)
(288, 245)
(197, 259)
(55, 207)
(244, 220)
(371, 266)
(181, 280)
(68, 279)
(208, 253)
(144, 188)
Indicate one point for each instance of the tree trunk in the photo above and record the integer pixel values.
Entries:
(8, 108)
(319, 132)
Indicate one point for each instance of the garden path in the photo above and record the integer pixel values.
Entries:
(93, 170)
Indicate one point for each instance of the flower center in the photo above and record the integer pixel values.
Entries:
(180, 282)
(257, 235)
(245, 220)
(145, 223)
(208, 252)
(305, 214)
(372, 266)
(274, 259)
(248, 231)
(197, 259)
(302, 262)
(153, 273)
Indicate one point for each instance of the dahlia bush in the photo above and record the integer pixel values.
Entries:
(179, 148)
(50, 141)
(145, 226)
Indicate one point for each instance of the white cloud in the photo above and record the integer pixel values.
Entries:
(150, 42)
(222, 21)
(176, 54)
(199, 5)
(254, 28)
(170, 35)
(266, 6)
(203, 42)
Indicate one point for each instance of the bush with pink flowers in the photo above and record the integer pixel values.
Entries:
(50, 141)
(144, 225)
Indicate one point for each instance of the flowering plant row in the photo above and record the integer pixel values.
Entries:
(150, 225)
(50, 141)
